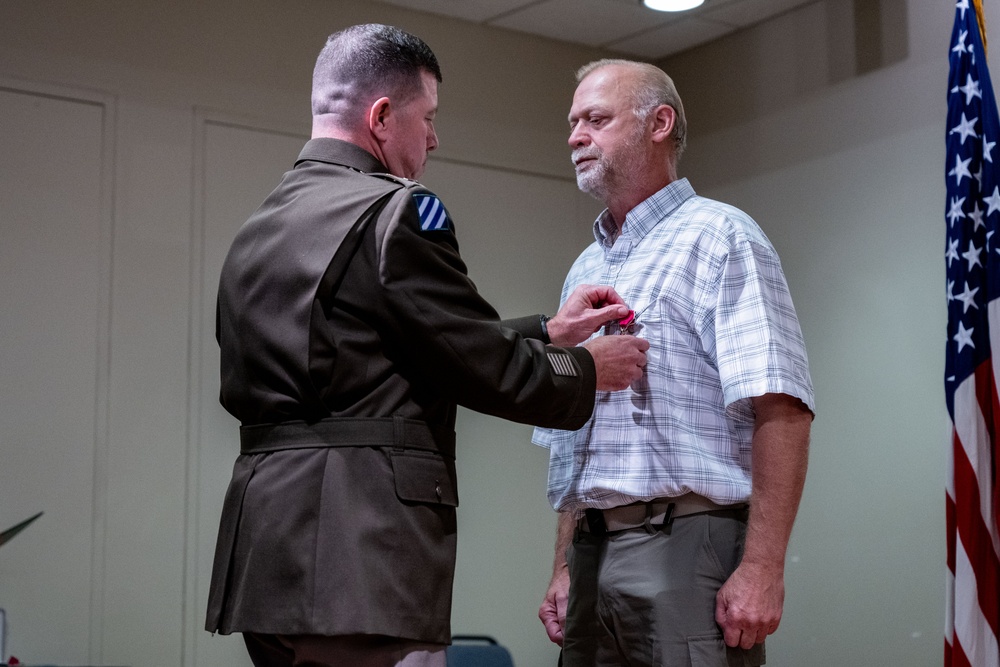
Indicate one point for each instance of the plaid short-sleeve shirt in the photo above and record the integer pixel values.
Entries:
(711, 299)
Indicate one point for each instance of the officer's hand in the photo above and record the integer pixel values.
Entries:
(619, 360)
(585, 311)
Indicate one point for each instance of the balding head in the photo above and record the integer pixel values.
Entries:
(648, 87)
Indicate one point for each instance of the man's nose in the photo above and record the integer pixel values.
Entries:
(578, 137)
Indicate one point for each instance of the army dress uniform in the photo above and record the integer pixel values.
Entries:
(349, 331)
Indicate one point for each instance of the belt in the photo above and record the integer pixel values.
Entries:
(347, 432)
(655, 513)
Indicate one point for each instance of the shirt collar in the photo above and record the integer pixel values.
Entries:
(335, 151)
(646, 215)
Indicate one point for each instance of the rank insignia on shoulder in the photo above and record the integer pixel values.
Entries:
(562, 364)
(433, 215)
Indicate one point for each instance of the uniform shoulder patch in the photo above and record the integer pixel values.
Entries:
(562, 364)
(433, 215)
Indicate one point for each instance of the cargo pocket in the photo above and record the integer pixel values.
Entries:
(711, 651)
(423, 477)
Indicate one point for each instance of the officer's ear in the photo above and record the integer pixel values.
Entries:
(378, 117)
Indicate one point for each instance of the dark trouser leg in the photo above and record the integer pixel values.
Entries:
(267, 651)
(587, 640)
(648, 600)
(344, 651)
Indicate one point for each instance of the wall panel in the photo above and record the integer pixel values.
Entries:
(54, 257)
(147, 424)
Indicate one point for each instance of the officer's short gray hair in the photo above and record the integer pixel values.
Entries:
(360, 64)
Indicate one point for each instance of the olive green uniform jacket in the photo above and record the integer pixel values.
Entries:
(345, 370)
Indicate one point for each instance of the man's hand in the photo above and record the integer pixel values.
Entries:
(553, 610)
(586, 310)
(748, 606)
(619, 360)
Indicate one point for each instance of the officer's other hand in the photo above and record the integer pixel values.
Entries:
(586, 310)
(619, 360)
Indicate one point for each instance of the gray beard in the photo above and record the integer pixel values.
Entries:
(602, 179)
(594, 182)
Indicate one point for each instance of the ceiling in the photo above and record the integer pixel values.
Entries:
(619, 25)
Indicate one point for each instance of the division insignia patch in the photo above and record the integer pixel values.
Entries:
(562, 364)
(433, 215)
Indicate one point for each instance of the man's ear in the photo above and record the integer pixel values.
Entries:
(378, 117)
(663, 119)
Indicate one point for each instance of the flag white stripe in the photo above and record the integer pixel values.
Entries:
(973, 632)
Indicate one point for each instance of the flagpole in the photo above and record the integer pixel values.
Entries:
(981, 20)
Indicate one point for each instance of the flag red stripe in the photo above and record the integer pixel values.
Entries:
(954, 656)
(949, 513)
(976, 540)
(986, 393)
(995, 464)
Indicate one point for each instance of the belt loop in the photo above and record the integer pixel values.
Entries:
(668, 519)
(398, 433)
(647, 522)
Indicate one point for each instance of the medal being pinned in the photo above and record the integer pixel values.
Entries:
(627, 326)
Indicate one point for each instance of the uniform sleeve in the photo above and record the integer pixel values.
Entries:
(454, 340)
(548, 437)
(529, 326)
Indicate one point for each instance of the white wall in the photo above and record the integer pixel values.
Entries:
(145, 132)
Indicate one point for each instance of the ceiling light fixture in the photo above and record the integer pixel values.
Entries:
(672, 5)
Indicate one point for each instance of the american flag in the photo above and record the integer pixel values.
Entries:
(972, 256)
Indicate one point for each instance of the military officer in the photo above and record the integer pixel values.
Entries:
(349, 331)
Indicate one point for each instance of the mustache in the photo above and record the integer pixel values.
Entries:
(586, 154)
